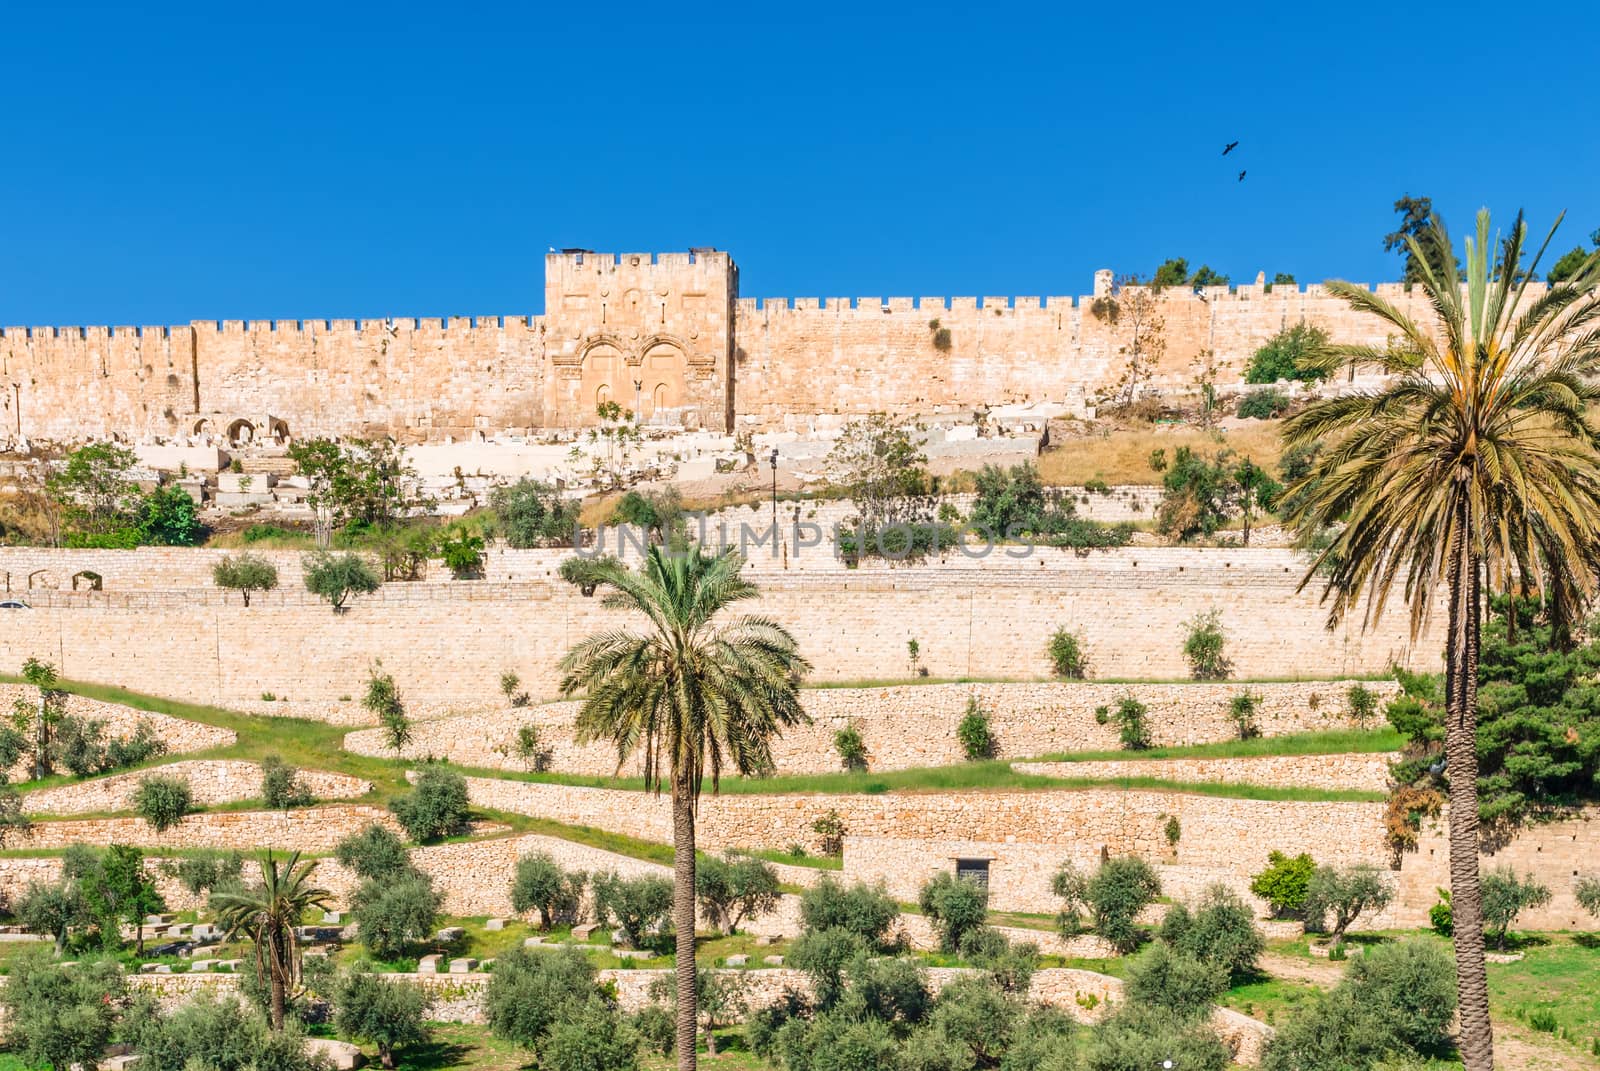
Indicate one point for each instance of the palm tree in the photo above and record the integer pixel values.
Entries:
(1475, 466)
(692, 696)
(268, 913)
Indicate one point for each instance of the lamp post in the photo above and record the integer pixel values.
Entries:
(773, 460)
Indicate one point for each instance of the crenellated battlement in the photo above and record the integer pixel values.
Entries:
(667, 333)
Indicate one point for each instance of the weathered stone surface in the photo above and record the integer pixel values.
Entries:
(211, 781)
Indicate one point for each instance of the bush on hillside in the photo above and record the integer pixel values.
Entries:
(438, 807)
(640, 907)
(162, 800)
(373, 852)
(956, 906)
(1067, 657)
(865, 910)
(540, 884)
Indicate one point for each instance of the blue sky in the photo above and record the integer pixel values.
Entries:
(172, 162)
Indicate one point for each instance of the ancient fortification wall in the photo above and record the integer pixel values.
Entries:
(987, 618)
(665, 334)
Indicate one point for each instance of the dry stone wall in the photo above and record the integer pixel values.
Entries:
(985, 619)
(179, 735)
(309, 829)
(915, 725)
(1361, 772)
(212, 781)
(1121, 822)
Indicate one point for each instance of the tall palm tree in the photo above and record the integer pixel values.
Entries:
(693, 696)
(1476, 467)
(268, 914)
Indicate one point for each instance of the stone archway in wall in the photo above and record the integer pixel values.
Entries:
(663, 374)
(604, 378)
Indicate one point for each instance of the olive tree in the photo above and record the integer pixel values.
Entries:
(245, 573)
(336, 577)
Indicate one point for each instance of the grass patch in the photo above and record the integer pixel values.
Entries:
(995, 775)
(815, 862)
(1122, 455)
(1272, 1000)
(1333, 742)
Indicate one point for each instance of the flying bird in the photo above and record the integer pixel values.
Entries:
(1232, 145)
(1241, 176)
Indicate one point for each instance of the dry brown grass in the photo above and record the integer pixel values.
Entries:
(1122, 455)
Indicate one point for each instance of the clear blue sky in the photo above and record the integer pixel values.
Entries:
(356, 160)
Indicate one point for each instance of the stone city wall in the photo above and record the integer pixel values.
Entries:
(915, 725)
(664, 334)
(212, 781)
(987, 619)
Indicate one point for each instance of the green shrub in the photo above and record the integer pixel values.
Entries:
(822, 956)
(1137, 1036)
(1397, 1000)
(394, 913)
(1242, 711)
(1284, 882)
(168, 518)
(956, 906)
(1266, 404)
(1344, 893)
(1283, 356)
(1363, 704)
(534, 514)
(438, 807)
(462, 551)
(59, 1015)
(1586, 890)
(373, 852)
(1505, 897)
(1205, 647)
(218, 1032)
(975, 733)
(540, 884)
(80, 745)
(732, 888)
(1221, 930)
(1441, 916)
(162, 800)
(657, 1028)
(53, 910)
(1071, 886)
(583, 573)
(389, 1013)
(281, 787)
(1010, 965)
(851, 748)
(1172, 830)
(1119, 890)
(592, 1036)
(530, 991)
(1177, 981)
(336, 577)
(640, 907)
(864, 910)
(830, 829)
(245, 573)
(975, 1018)
(1067, 657)
(382, 698)
(1133, 725)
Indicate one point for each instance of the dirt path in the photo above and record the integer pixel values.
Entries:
(1518, 1048)
(1319, 972)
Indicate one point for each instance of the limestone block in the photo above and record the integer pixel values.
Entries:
(494, 924)
(584, 932)
(429, 964)
(245, 483)
(450, 935)
(341, 1054)
(463, 965)
(773, 961)
(236, 500)
(737, 961)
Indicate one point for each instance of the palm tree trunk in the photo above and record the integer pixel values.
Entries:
(1461, 757)
(683, 919)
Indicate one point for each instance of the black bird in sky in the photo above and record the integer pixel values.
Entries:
(1241, 176)
(1232, 145)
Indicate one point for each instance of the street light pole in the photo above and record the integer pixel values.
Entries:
(774, 462)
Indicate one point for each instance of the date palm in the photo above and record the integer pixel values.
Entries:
(1476, 467)
(268, 914)
(692, 696)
